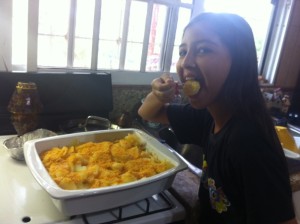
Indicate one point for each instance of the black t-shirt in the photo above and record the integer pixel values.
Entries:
(244, 179)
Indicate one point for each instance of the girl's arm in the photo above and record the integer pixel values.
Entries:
(155, 104)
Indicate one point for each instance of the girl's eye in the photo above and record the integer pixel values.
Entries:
(182, 53)
(202, 50)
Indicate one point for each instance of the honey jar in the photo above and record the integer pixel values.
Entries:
(24, 106)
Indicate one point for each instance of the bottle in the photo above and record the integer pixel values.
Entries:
(24, 107)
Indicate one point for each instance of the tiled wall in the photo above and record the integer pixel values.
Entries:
(127, 98)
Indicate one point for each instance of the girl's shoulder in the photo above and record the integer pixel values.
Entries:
(243, 128)
(186, 114)
(245, 136)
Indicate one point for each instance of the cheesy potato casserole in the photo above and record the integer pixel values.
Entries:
(94, 165)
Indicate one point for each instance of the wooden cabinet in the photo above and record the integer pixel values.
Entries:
(289, 63)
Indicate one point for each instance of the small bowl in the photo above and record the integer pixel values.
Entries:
(14, 145)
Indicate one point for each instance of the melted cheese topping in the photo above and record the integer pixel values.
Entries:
(94, 165)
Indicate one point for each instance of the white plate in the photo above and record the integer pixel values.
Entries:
(289, 153)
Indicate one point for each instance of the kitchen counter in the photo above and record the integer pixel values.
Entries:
(185, 188)
(18, 193)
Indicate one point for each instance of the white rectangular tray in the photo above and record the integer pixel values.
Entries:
(72, 202)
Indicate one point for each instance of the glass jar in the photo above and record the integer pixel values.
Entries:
(24, 107)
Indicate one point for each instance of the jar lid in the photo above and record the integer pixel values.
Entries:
(26, 85)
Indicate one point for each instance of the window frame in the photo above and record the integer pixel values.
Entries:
(276, 37)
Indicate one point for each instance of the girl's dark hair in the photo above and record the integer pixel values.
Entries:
(241, 90)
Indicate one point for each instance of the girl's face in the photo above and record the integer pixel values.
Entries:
(203, 57)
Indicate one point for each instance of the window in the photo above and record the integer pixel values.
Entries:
(19, 32)
(129, 35)
(268, 20)
(53, 33)
(135, 40)
(276, 37)
(257, 17)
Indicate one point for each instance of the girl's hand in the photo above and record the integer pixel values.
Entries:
(164, 88)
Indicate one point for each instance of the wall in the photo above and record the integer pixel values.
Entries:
(289, 63)
(5, 37)
(128, 98)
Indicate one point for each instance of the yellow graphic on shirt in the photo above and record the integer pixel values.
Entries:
(204, 165)
(204, 173)
(218, 199)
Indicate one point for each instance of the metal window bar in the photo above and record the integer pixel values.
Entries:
(146, 36)
(168, 45)
(71, 33)
(32, 41)
(96, 31)
(6, 14)
(124, 35)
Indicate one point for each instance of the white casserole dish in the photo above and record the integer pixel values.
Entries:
(73, 202)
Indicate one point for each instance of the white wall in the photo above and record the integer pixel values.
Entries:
(6, 34)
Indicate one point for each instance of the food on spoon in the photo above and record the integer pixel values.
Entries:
(191, 87)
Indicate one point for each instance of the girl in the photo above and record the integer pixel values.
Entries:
(245, 177)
